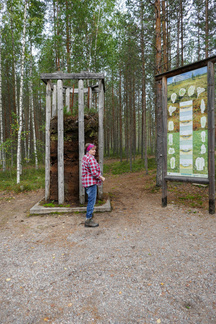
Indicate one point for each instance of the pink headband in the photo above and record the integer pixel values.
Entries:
(89, 147)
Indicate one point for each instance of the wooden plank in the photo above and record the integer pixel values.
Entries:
(101, 133)
(164, 143)
(85, 90)
(47, 141)
(90, 97)
(81, 138)
(71, 76)
(60, 142)
(211, 137)
(68, 99)
(186, 68)
(187, 179)
(54, 103)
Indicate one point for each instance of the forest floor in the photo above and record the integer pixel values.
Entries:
(143, 264)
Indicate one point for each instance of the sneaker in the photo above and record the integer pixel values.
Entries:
(90, 223)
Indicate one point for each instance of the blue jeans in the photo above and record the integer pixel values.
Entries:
(92, 195)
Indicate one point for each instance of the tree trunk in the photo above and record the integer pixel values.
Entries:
(1, 115)
(21, 100)
(164, 26)
(143, 136)
(206, 28)
(32, 112)
(158, 108)
(134, 119)
(182, 33)
(178, 37)
(158, 36)
(120, 116)
(67, 38)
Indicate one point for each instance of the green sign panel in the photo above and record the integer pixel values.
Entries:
(187, 124)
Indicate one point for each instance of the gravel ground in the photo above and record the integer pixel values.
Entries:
(143, 264)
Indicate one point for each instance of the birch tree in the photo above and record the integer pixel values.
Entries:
(19, 166)
(31, 109)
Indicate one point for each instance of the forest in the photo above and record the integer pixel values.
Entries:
(130, 41)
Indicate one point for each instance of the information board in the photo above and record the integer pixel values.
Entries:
(187, 124)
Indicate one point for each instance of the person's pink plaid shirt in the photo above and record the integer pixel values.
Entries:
(90, 171)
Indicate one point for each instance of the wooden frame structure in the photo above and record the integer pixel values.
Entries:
(209, 62)
(54, 106)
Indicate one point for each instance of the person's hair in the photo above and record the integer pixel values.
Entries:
(87, 144)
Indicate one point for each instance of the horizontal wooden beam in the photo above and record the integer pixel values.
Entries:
(85, 90)
(71, 76)
(186, 68)
(187, 179)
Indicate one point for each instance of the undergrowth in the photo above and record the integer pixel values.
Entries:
(118, 167)
(31, 179)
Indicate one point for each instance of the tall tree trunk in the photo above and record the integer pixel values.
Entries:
(1, 115)
(21, 99)
(16, 106)
(158, 36)
(32, 111)
(126, 116)
(143, 136)
(198, 34)
(178, 38)
(67, 38)
(96, 36)
(130, 123)
(169, 56)
(182, 33)
(134, 118)
(164, 26)
(206, 29)
(120, 116)
(158, 112)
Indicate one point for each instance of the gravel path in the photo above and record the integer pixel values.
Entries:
(143, 264)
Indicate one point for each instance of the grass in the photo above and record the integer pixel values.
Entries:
(118, 167)
(30, 180)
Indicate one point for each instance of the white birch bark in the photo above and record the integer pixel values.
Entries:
(29, 126)
(32, 113)
(21, 100)
(14, 63)
(1, 115)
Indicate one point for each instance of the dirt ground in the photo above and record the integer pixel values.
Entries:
(143, 264)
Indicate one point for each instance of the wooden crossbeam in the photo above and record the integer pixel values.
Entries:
(71, 76)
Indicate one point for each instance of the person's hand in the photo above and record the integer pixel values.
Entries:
(102, 178)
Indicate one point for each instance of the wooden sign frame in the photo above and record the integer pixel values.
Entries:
(210, 178)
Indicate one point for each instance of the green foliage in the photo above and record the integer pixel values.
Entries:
(31, 179)
(124, 166)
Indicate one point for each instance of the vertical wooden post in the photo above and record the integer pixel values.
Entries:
(54, 101)
(164, 141)
(68, 99)
(90, 98)
(60, 142)
(47, 141)
(159, 139)
(211, 137)
(81, 138)
(101, 133)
